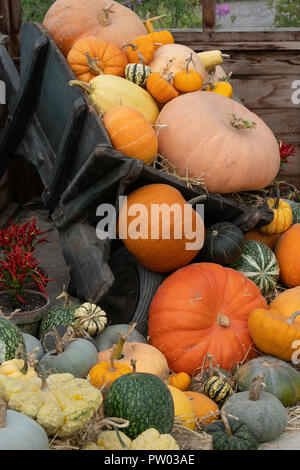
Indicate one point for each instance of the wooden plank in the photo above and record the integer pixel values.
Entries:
(266, 91)
(264, 62)
(208, 15)
(197, 36)
(285, 123)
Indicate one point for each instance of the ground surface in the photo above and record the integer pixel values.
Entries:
(247, 15)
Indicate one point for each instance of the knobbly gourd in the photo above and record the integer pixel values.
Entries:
(261, 411)
(18, 368)
(62, 404)
(282, 219)
(67, 20)
(248, 153)
(92, 56)
(109, 91)
(144, 400)
(199, 307)
(281, 380)
(258, 263)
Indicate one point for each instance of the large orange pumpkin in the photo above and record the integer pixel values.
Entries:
(92, 56)
(131, 133)
(287, 252)
(203, 308)
(70, 20)
(160, 228)
(216, 138)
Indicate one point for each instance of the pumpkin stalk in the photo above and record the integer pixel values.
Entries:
(123, 338)
(64, 295)
(197, 199)
(105, 19)
(291, 319)
(87, 88)
(223, 320)
(20, 354)
(133, 365)
(226, 424)
(112, 358)
(277, 196)
(3, 413)
(92, 63)
(256, 386)
(9, 317)
(239, 123)
(188, 61)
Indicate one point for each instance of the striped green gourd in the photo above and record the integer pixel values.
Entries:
(137, 73)
(10, 339)
(144, 400)
(258, 263)
(58, 315)
(217, 389)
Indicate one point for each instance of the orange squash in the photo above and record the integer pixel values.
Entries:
(160, 88)
(102, 375)
(287, 252)
(131, 133)
(203, 308)
(205, 408)
(287, 302)
(160, 228)
(161, 38)
(92, 56)
(70, 20)
(201, 125)
(269, 240)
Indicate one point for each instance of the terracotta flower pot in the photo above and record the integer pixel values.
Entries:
(28, 321)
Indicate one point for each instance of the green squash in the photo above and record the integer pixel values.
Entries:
(282, 380)
(231, 435)
(143, 399)
(262, 412)
(22, 433)
(77, 358)
(33, 344)
(57, 315)
(258, 263)
(111, 335)
(10, 339)
(224, 243)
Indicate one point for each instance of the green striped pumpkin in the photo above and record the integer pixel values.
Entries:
(217, 389)
(57, 315)
(258, 263)
(10, 338)
(137, 73)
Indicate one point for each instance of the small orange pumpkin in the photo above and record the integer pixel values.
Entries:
(188, 80)
(288, 255)
(222, 88)
(283, 217)
(205, 408)
(160, 88)
(181, 380)
(131, 133)
(161, 38)
(102, 375)
(92, 56)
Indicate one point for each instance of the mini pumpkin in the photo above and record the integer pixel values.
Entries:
(283, 217)
(90, 318)
(222, 88)
(160, 88)
(181, 380)
(137, 73)
(217, 389)
(102, 375)
(188, 80)
(92, 56)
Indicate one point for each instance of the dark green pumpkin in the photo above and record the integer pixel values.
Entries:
(224, 243)
(282, 380)
(57, 315)
(144, 400)
(240, 437)
(10, 339)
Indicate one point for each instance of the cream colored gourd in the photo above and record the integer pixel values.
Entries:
(211, 59)
(213, 137)
(109, 91)
(171, 58)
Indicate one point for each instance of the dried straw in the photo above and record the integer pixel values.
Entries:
(166, 167)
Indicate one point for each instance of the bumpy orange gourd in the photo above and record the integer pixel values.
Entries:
(70, 20)
(287, 252)
(287, 302)
(203, 308)
(283, 217)
(160, 88)
(269, 240)
(181, 380)
(201, 125)
(131, 133)
(92, 56)
(140, 50)
(188, 80)
(275, 334)
(163, 232)
(205, 408)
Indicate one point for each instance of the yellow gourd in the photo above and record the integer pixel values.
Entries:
(109, 91)
(16, 368)
(211, 59)
(183, 408)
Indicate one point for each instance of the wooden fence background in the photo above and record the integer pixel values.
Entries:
(265, 68)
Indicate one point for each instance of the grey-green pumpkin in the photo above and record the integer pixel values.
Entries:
(111, 336)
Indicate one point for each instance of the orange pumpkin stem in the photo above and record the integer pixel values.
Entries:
(256, 385)
(3, 413)
(105, 19)
(92, 63)
(223, 320)
(291, 319)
